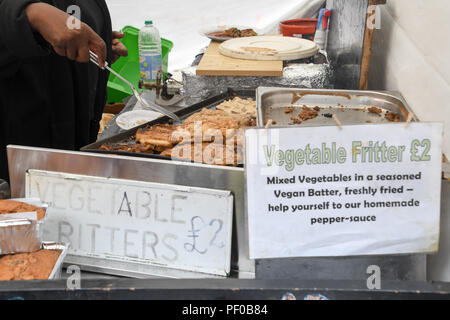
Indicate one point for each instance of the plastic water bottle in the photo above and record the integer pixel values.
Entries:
(150, 56)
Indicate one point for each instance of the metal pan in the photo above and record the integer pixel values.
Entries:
(350, 106)
(130, 135)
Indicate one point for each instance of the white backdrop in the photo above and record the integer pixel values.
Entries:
(180, 21)
(412, 56)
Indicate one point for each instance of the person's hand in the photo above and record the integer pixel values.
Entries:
(118, 48)
(74, 44)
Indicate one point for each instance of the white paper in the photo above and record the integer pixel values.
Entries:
(288, 229)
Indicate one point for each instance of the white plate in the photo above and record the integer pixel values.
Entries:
(207, 31)
(269, 48)
(132, 119)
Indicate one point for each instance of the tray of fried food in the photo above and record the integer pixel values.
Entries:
(208, 136)
(43, 264)
(221, 116)
(215, 120)
(158, 137)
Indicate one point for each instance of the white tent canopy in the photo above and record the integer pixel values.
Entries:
(180, 21)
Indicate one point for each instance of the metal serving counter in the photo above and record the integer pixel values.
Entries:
(409, 267)
(406, 267)
(21, 159)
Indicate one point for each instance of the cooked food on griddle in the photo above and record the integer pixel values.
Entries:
(207, 152)
(239, 106)
(218, 115)
(160, 135)
(219, 133)
(214, 122)
(128, 147)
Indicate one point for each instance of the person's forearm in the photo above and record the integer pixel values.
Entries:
(34, 13)
(39, 14)
(51, 24)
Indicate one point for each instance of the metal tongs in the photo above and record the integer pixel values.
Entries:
(144, 103)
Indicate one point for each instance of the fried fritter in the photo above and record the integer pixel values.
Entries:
(129, 147)
(207, 152)
(159, 135)
(238, 106)
(209, 124)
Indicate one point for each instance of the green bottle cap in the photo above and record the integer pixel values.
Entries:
(148, 22)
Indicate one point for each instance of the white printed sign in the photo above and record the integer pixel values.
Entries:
(169, 226)
(363, 190)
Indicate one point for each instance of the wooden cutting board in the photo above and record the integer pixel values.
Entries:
(214, 63)
(269, 48)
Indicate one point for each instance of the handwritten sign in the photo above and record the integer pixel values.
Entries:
(150, 224)
(365, 190)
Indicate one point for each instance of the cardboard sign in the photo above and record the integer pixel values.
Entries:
(137, 223)
(363, 190)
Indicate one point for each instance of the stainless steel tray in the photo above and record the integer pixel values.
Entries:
(350, 106)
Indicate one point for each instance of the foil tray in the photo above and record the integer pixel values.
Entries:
(57, 269)
(56, 272)
(21, 234)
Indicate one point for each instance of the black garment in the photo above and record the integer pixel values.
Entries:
(47, 100)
